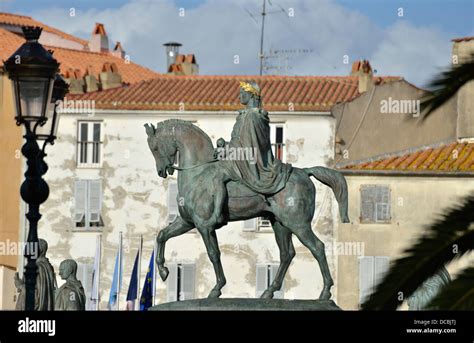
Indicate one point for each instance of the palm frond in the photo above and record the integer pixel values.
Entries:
(458, 294)
(448, 238)
(446, 85)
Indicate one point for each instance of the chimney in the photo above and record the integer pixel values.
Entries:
(463, 50)
(363, 71)
(109, 77)
(75, 81)
(99, 41)
(184, 65)
(172, 50)
(118, 51)
(92, 84)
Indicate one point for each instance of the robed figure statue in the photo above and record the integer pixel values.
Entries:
(45, 283)
(71, 295)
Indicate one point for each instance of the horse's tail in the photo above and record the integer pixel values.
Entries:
(337, 182)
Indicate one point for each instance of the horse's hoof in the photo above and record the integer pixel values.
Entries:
(267, 294)
(163, 273)
(215, 293)
(325, 294)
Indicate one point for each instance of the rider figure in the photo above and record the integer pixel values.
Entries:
(249, 158)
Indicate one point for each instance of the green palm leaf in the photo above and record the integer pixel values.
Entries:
(446, 85)
(450, 237)
(458, 294)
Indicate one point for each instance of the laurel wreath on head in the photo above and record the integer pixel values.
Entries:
(249, 88)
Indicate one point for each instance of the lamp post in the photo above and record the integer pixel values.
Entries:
(37, 89)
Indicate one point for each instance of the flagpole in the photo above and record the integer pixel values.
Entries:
(139, 271)
(119, 283)
(99, 242)
(153, 291)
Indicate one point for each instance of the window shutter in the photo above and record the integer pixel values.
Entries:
(84, 274)
(80, 194)
(188, 280)
(172, 201)
(382, 264)
(95, 200)
(172, 282)
(367, 209)
(250, 224)
(273, 271)
(261, 279)
(366, 277)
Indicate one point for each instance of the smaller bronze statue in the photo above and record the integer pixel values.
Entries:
(45, 283)
(71, 295)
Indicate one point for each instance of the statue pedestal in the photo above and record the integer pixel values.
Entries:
(247, 304)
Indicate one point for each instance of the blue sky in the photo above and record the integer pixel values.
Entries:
(415, 46)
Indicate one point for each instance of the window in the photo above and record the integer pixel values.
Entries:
(375, 204)
(277, 141)
(88, 203)
(84, 274)
(372, 270)
(181, 281)
(89, 144)
(173, 210)
(261, 224)
(265, 275)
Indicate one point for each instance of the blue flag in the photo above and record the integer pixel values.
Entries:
(133, 286)
(146, 300)
(116, 283)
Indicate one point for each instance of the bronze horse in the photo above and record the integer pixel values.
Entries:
(290, 210)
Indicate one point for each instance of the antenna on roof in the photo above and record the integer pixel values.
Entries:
(263, 14)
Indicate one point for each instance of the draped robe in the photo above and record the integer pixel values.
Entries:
(265, 174)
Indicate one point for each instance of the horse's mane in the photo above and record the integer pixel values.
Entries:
(170, 123)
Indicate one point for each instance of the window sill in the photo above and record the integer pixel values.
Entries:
(89, 166)
(87, 229)
(376, 223)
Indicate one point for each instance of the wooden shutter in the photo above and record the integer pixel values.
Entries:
(382, 264)
(366, 277)
(172, 282)
(261, 279)
(250, 224)
(273, 271)
(95, 200)
(367, 203)
(172, 201)
(80, 194)
(187, 280)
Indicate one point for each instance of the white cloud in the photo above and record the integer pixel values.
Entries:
(218, 30)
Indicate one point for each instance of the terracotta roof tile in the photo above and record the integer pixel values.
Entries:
(80, 60)
(453, 157)
(22, 20)
(215, 93)
(462, 39)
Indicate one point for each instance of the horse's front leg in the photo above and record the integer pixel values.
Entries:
(212, 246)
(176, 228)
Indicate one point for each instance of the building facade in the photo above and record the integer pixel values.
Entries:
(392, 199)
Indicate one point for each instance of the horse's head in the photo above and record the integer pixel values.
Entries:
(163, 148)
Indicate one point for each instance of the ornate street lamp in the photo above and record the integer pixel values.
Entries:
(37, 89)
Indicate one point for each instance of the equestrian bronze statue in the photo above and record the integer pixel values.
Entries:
(240, 180)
